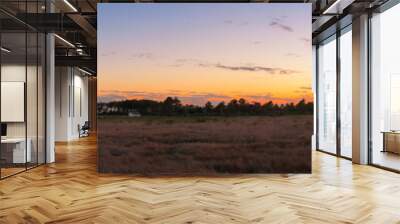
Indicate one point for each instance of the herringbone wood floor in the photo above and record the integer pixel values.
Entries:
(71, 191)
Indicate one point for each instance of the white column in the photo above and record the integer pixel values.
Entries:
(50, 92)
(360, 90)
(50, 98)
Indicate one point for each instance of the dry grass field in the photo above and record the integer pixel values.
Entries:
(205, 145)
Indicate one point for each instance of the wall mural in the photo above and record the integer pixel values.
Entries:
(202, 89)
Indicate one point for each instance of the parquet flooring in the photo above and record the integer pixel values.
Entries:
(10, 171)
(71, 191)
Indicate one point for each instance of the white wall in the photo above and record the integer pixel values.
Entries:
(71, 102)
(62, 83)
(80, 110)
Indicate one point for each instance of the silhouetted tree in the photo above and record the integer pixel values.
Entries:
(220, 108)
(172, 106)
(208, 108)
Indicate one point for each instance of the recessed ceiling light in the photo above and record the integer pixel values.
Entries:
(70, 5)
(5, 50)
(337, 7)
(84, 71)
(64, 40)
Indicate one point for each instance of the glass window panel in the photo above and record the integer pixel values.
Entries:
(346, 94)
(31, 97)
(385, 84)
(14, 153)
(22, 87)
(327, 96)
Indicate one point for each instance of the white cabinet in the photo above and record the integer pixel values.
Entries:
(19, 153)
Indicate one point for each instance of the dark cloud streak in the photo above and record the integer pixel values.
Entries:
(277, 23)
(269, 70)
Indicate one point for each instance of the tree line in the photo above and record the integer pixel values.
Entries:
(172, 106)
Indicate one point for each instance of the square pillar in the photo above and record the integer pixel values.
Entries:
(360, 89)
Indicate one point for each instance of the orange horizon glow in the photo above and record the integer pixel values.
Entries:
(308, 97)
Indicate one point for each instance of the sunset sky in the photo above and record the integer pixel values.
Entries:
(204, 52)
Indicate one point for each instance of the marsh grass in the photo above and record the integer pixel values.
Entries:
(205, 145)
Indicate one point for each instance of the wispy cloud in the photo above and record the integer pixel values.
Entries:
(237, 23)
(106, 54)
(269, 97)
(176, 65)
(248, 68)
(142, 55)
(305, 40)
(294, 55)
(110, 97)
(277, 22)
(182, 61)
(244, 23)
(305, 91)
(187, 60)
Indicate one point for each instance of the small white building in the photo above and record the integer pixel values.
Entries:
(134, 113)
